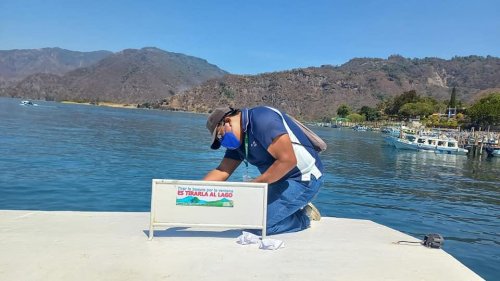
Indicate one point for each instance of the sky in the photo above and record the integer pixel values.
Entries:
(251, 37)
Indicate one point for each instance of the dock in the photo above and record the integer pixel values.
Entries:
(46, 245)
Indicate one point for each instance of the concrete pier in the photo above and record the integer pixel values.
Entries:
(36, 245)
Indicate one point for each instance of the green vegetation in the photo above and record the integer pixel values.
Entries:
(436, 121)
(343, 110)
(486, 111)
(395, 105)
(431, 112)
(370, 114)
(453, 99)
(355, 117)
(416, 109)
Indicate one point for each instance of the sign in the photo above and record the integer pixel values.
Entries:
(204, 196)
(234, 205)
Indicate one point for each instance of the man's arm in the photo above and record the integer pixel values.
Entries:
(223, 171)
(281, 149)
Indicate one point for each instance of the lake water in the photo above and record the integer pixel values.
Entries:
(76, 157)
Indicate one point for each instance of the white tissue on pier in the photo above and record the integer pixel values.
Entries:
(271, 244)
(247, 238)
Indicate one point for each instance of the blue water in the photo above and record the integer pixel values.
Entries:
(76, 157)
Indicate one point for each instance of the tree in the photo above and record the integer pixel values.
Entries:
(452, 104)
(453, 98)
(433, 120)
(356, 118)
(486, 111)
(414, 109)
(440, 107)
(399, 101)
(343, 110)
(371, 114)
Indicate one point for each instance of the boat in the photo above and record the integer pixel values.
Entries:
(493, 150)
(391, 140)
(442, 145)
(360, 128)
(425, 143)
(407, 142)
(450, 146)
(398, 131)
(391, 131)
(28, 103)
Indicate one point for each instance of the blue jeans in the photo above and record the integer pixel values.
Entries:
(285, 200)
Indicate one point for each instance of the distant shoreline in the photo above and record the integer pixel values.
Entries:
(108, 104)
(128, 106)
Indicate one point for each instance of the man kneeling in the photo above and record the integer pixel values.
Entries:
(270, 140)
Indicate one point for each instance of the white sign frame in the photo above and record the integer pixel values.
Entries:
(246, 209)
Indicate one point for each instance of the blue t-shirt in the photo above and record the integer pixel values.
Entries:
(262, 125)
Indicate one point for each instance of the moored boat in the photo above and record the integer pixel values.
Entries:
(450, 146)
(393, 132)
(28, 103)
(493, 150)
(430, 144)
(406, 143)
(360, 128)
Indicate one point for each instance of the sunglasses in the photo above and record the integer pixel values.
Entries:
(232, 112)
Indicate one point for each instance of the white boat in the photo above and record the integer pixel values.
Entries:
(407, 143)
(391, 131)
(450, 146)
(360, 128)
(28, 103)
(430, 144)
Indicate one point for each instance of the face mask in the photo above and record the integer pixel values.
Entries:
(230, 141)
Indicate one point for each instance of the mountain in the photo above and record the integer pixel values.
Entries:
(18, 64)
(129, 76)
(180, 82)
(316, 92)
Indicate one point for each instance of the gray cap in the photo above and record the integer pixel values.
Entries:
(213, 120)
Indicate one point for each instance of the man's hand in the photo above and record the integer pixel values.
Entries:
(223, 171)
